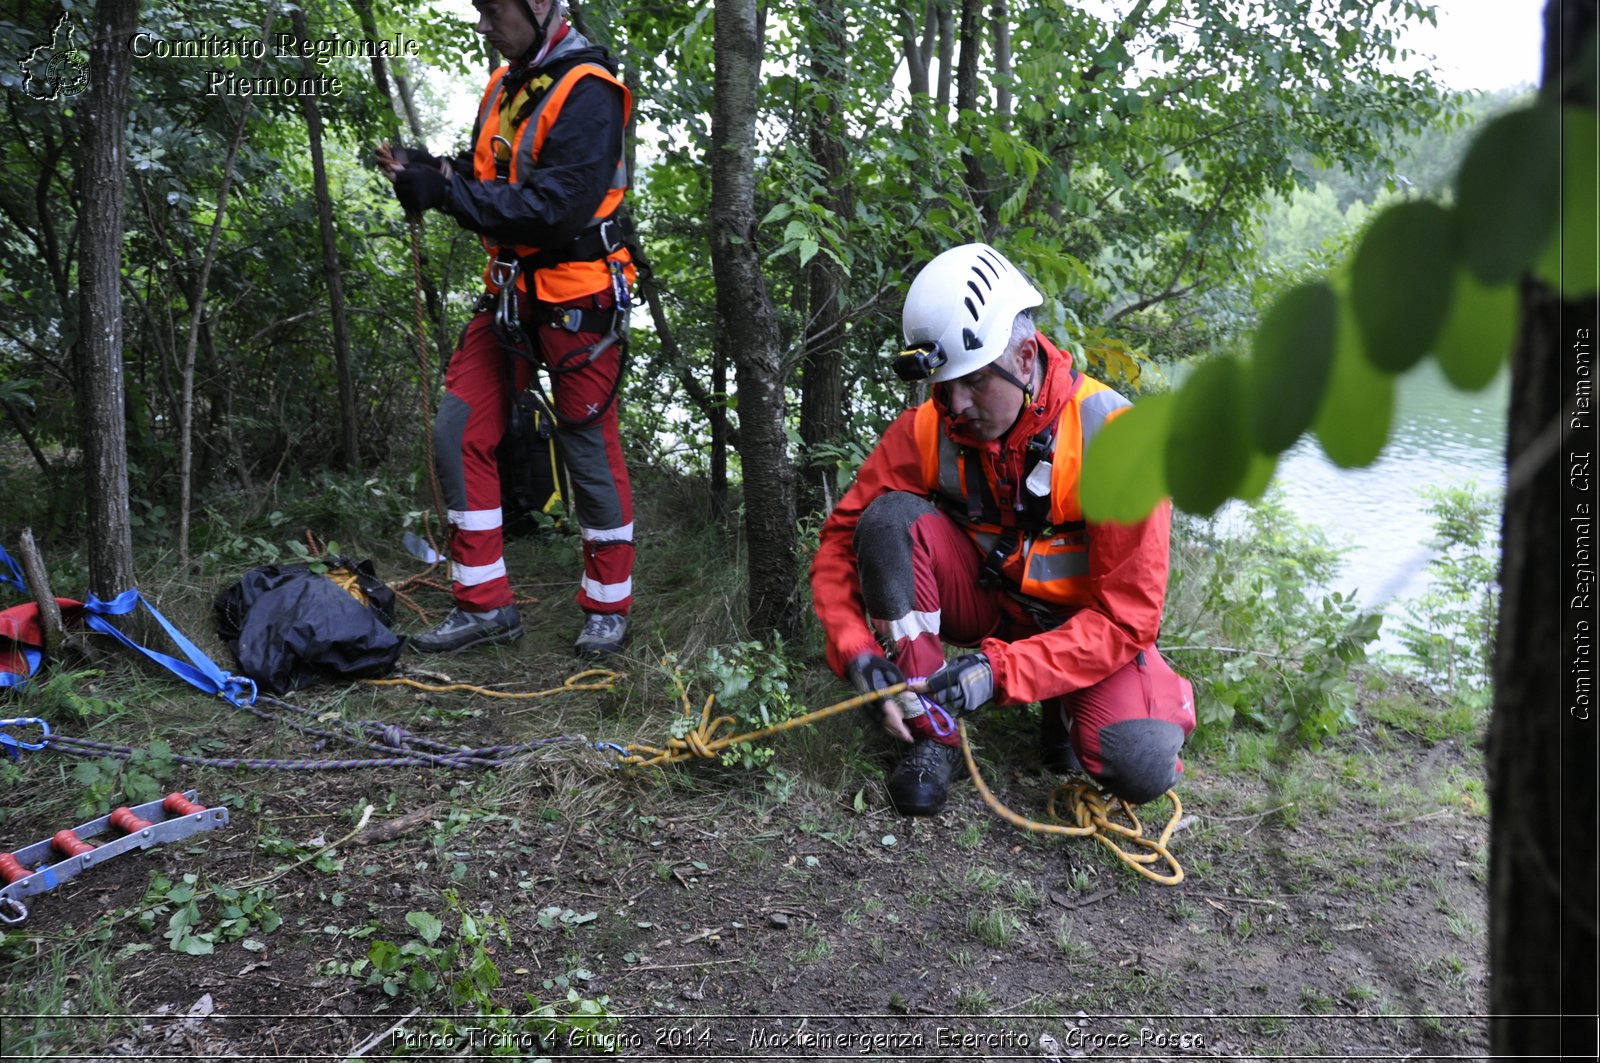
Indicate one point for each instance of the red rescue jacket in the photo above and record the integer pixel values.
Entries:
(1106, 581)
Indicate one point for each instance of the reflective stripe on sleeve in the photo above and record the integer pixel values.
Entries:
(909, 626)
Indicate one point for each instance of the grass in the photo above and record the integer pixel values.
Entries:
(544, 821)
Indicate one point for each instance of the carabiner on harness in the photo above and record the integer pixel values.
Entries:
(12, 746)
(502, 163)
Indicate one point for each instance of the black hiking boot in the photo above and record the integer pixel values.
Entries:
(919, 784)
(1056, 754)
(463, 629)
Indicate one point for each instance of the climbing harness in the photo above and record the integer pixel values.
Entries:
(66, 854)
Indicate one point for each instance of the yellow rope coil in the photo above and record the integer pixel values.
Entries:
(600, 679)
(1089, 809)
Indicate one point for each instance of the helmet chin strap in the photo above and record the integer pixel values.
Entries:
(541, 30)
(1026, 389)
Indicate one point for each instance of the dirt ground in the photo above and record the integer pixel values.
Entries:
(1334, 900)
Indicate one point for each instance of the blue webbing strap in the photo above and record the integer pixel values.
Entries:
(10, 573)
(199, 671)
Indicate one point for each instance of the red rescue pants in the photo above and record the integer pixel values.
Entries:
(467, 433)
(1126, 729)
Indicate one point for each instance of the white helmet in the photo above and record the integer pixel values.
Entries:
(959, 312)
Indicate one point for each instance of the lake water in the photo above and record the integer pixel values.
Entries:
(1439, 436)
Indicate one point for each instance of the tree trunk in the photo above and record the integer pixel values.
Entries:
(917, 46)
(1001, 18)
(403, 83)
(822, 383)
(105, 455)
(1542, 739)
(749, 324)
(947, 56)
(380, 76)
(967, 91)
(349, 441)
(197, 316)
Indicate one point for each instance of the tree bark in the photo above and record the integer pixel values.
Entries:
(967, 91)
(917, 45)
(101, 385)
(1001, 18)
(403, 83)
(749, 324)
(947, 56)
(822, 381)
(349, 441)
(38, 580)
(1542, 758)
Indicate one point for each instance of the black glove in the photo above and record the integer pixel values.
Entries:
(419, 156)
(964, 685)
(870, 672)
(419, 187)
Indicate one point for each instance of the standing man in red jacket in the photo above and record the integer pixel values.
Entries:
(541, 187)
(964, 526)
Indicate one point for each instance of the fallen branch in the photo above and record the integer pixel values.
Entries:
(389, 830)
(33, 571)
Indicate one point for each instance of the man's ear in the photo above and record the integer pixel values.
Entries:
(1027, 357)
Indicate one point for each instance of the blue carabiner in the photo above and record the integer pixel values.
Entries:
(621, 753)
(13, 746)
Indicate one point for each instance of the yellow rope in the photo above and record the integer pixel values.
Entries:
(1092, 812)
(1090, 808)
(600, 679)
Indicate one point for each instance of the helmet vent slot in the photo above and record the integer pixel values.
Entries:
(970, 339)
(977, 292)
(971, 309)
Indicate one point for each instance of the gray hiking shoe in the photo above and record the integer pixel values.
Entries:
(463, 629)
(602, 635)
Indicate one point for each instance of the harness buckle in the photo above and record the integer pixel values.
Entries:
(569, 318)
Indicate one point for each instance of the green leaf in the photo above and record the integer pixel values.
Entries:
(1400, 286)
(1353, 424)
(1257, 476)
(1207, 451)
(426, 925)
(1293, 353)
(1478, 334)
(1508, 193)
(1123, 473)
(1570, 262)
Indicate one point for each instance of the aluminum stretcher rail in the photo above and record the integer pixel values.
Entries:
(44, 865)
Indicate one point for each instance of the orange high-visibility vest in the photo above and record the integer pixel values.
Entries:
(518, 153)
(1051, 559)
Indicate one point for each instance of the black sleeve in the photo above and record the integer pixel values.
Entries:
(551, 205)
